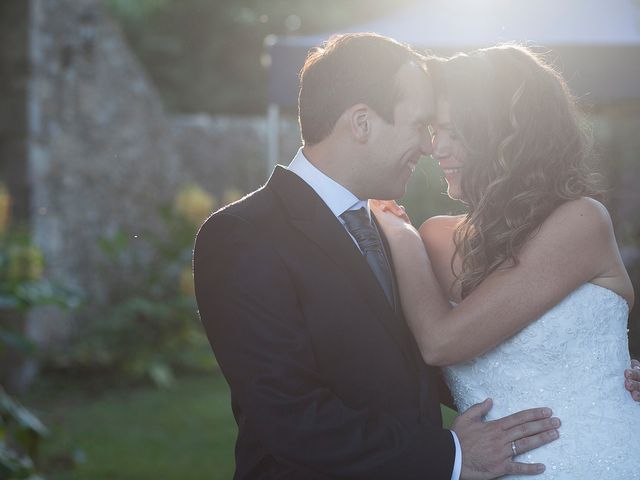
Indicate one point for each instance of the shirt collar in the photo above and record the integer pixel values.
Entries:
(337, 197)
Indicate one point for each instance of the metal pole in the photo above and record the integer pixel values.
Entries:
(273, 136)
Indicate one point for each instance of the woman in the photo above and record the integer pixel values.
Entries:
(533, 264)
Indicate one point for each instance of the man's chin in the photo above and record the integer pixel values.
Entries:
(387, 193)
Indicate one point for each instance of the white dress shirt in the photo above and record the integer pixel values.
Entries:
(339, 200)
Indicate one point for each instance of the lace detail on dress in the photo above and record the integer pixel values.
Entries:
(572, 360)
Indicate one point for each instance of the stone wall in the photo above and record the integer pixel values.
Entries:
(228, 151)
(103, 156)
(14, 70)
(100, 153)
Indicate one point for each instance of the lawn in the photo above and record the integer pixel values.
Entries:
(186, 432)
(183, 433)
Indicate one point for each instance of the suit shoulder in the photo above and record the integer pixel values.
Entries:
(255, 215)
(250, 205)
(249, 208)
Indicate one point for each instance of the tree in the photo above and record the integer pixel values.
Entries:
(205, 56)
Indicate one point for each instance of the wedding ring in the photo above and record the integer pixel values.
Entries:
(514, 449)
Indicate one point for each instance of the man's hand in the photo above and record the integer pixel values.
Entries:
(632, 380)
(487, 448)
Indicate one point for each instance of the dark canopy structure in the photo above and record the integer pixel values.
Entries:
(595, 44)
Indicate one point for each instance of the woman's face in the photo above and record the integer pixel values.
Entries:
(448, 150)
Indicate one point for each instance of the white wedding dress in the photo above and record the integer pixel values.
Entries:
(572, 360)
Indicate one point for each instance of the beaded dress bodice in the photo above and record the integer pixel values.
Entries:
(571, 359)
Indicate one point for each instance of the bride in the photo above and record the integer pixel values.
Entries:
(541, 291)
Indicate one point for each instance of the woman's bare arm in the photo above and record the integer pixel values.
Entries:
(573, 246)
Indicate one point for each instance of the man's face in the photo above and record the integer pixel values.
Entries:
(396, 148)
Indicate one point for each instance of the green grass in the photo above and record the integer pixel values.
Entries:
(186, 432)
(448, 416)
(183, 433)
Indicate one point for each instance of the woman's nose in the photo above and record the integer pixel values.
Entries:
(441, 147)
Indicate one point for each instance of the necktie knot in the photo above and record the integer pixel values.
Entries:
(366, 235)
(359, 225)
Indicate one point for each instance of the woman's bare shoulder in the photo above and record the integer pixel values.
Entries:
(439, 229)
(584, 225)
(437, 234)
(585, 219)
(438, 223)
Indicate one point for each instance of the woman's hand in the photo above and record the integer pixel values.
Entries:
(390, 206)
(391, 216)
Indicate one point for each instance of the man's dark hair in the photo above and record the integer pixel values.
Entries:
(346, 70)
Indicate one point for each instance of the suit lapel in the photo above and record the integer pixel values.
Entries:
(310, 215)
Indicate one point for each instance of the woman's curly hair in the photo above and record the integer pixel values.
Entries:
(528, 149)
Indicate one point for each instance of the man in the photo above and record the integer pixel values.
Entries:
(296, 293)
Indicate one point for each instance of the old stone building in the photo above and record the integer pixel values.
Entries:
(87, 150)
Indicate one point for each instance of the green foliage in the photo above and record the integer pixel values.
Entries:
(22, 285)
(15, 467)
(426, 195)
(147, 327)
(137, 10)
(141, 337)
(9, 339)
(21, 432)
(25, 428)
(205, 56)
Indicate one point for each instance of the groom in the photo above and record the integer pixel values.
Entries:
(296, 293)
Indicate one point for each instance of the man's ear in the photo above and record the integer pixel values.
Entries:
(360, 122)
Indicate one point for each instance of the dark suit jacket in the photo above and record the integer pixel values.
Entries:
(326, 380)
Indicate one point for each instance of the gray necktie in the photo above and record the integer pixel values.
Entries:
(359, 225)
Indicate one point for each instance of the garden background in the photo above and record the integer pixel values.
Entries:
(123, 123)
